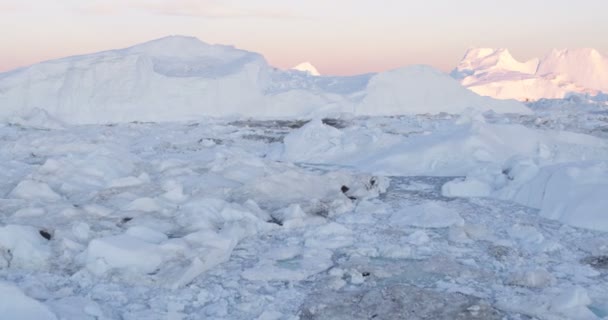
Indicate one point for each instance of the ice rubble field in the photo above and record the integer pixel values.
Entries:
(478, 216)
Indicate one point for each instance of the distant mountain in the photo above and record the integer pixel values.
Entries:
(495, 73)
(308, 68)
(182, 78)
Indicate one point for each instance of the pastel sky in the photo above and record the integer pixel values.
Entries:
(338, 36)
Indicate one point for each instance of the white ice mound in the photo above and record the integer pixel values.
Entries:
(311, 140)
(35, 191)
(573, 193)
(422, 89)
(182, 78)
(123, 251)
(36, 119)
(308, 68)
(455, 150)
(16, 305)
(23, 247)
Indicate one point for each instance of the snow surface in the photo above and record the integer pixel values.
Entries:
(16, 305)
(495, 73)
(308, 68)
(445, 146)
(425, 90)
(181, 78)
(574, 193)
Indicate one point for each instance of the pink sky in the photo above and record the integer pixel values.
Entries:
(339, 36)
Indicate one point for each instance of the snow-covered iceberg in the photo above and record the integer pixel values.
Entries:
(495, 73)
(182, 78)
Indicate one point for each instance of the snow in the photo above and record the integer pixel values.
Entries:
(573, 193)
(573, 303)
(425, 90)
(563, 185)
(467, 187)
(456, 149)
(181, 78)
(485, 60)
(586, 68)
(308, 68)
(147, 234)
(495, 73)
(16, 305)
(25, 247)
(375, 204)
(29, 189)
(37, 119)
(122, 251)
(257, 219)
(537, 278)
(311, 140)
(428, 215)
